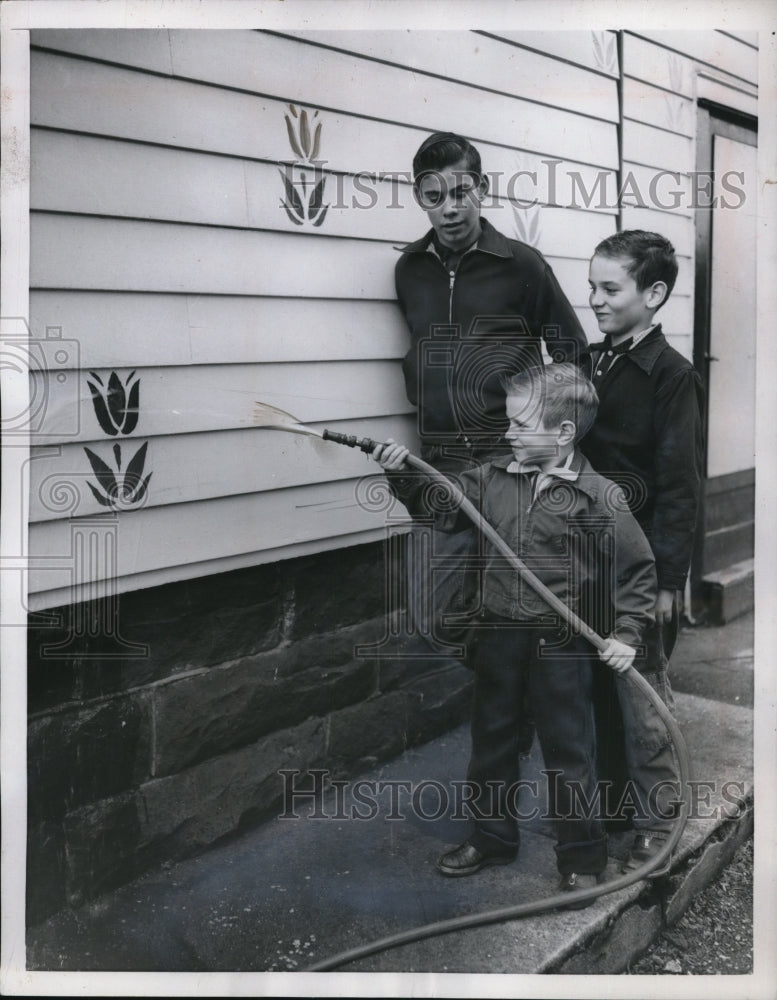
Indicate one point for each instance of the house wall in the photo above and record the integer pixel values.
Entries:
(191, 638)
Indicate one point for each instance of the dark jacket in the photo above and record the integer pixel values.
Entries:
(648, 438)
(578, 537)
(469, 327)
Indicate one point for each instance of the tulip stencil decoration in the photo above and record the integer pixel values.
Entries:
(115, 490)
(304, 180)
(116, 405)
(117, 408)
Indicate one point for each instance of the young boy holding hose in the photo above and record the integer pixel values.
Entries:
(573, 529)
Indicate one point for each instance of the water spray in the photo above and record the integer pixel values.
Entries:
(284, 421)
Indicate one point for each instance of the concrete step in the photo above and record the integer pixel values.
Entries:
(729, 592)
(726, 546)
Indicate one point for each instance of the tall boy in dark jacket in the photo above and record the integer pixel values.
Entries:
(648, 438)
(477, 306)
(573, 529)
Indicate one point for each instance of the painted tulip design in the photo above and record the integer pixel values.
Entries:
(116, 490)
(116, 405)
(304, 193)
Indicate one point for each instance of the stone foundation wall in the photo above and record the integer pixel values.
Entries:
(151, 743)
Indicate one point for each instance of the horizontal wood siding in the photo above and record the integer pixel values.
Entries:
(180, 400)
(664, 72)
(161, 247)
(205, 465)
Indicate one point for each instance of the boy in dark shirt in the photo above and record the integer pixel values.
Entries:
(647, 437)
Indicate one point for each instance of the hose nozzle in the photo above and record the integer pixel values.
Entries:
(367, 445)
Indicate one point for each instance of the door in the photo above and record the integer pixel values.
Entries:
(725, 334)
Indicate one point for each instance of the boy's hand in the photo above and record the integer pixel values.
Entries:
(391, 455)
(664, 606)
(617, 655)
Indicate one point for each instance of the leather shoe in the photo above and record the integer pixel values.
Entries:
(646, 846)
(466, 859)
(573, 882)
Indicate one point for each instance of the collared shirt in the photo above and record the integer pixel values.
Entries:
(543, 477)
(608, 355)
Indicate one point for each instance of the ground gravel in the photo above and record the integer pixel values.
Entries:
(715, 934)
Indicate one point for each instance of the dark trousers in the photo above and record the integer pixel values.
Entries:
(559, 679)
(634, 750)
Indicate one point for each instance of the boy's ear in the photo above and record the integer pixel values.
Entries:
(567, 432)
(657, 294)
(483, 185)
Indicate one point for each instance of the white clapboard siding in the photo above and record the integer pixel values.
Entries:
(86, 97)
(485, 62)
(80, 252)
(161, 537)
(677, 315)
(664, 189)
(144, 48)
(131, 329)
(747, 37)
(558, 232)
(109, 584)
(214, 397)
(380, 91)
(710, 88)
(259, 64)
(190, 467)
(672, 70)
(711, 48)
(580, 48)
(685, 277)
(95, 176)
(653, 106)
(159, 243)
(679, 229)
(657, 148)
(71, 251)
(75, 95)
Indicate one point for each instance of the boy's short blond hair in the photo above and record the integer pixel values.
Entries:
(562, 392)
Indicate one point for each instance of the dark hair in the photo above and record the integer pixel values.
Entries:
(443, 149)
(560, 392)
(648, 257)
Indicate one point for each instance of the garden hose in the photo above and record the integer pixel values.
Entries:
(559, 900)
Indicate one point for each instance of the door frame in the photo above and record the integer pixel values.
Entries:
(711, 119)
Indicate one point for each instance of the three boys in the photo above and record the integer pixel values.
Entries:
(468, 278)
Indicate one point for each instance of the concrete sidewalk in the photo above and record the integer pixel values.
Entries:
(295, 891)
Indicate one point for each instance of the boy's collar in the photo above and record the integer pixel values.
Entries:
(585, 478)
(563, 470)
(489, 241)
(645, 353)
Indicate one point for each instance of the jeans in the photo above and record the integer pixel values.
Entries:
(560, 685)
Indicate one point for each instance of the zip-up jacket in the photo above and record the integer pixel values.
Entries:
(471, 325)
(578, 537)
(648, 437)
